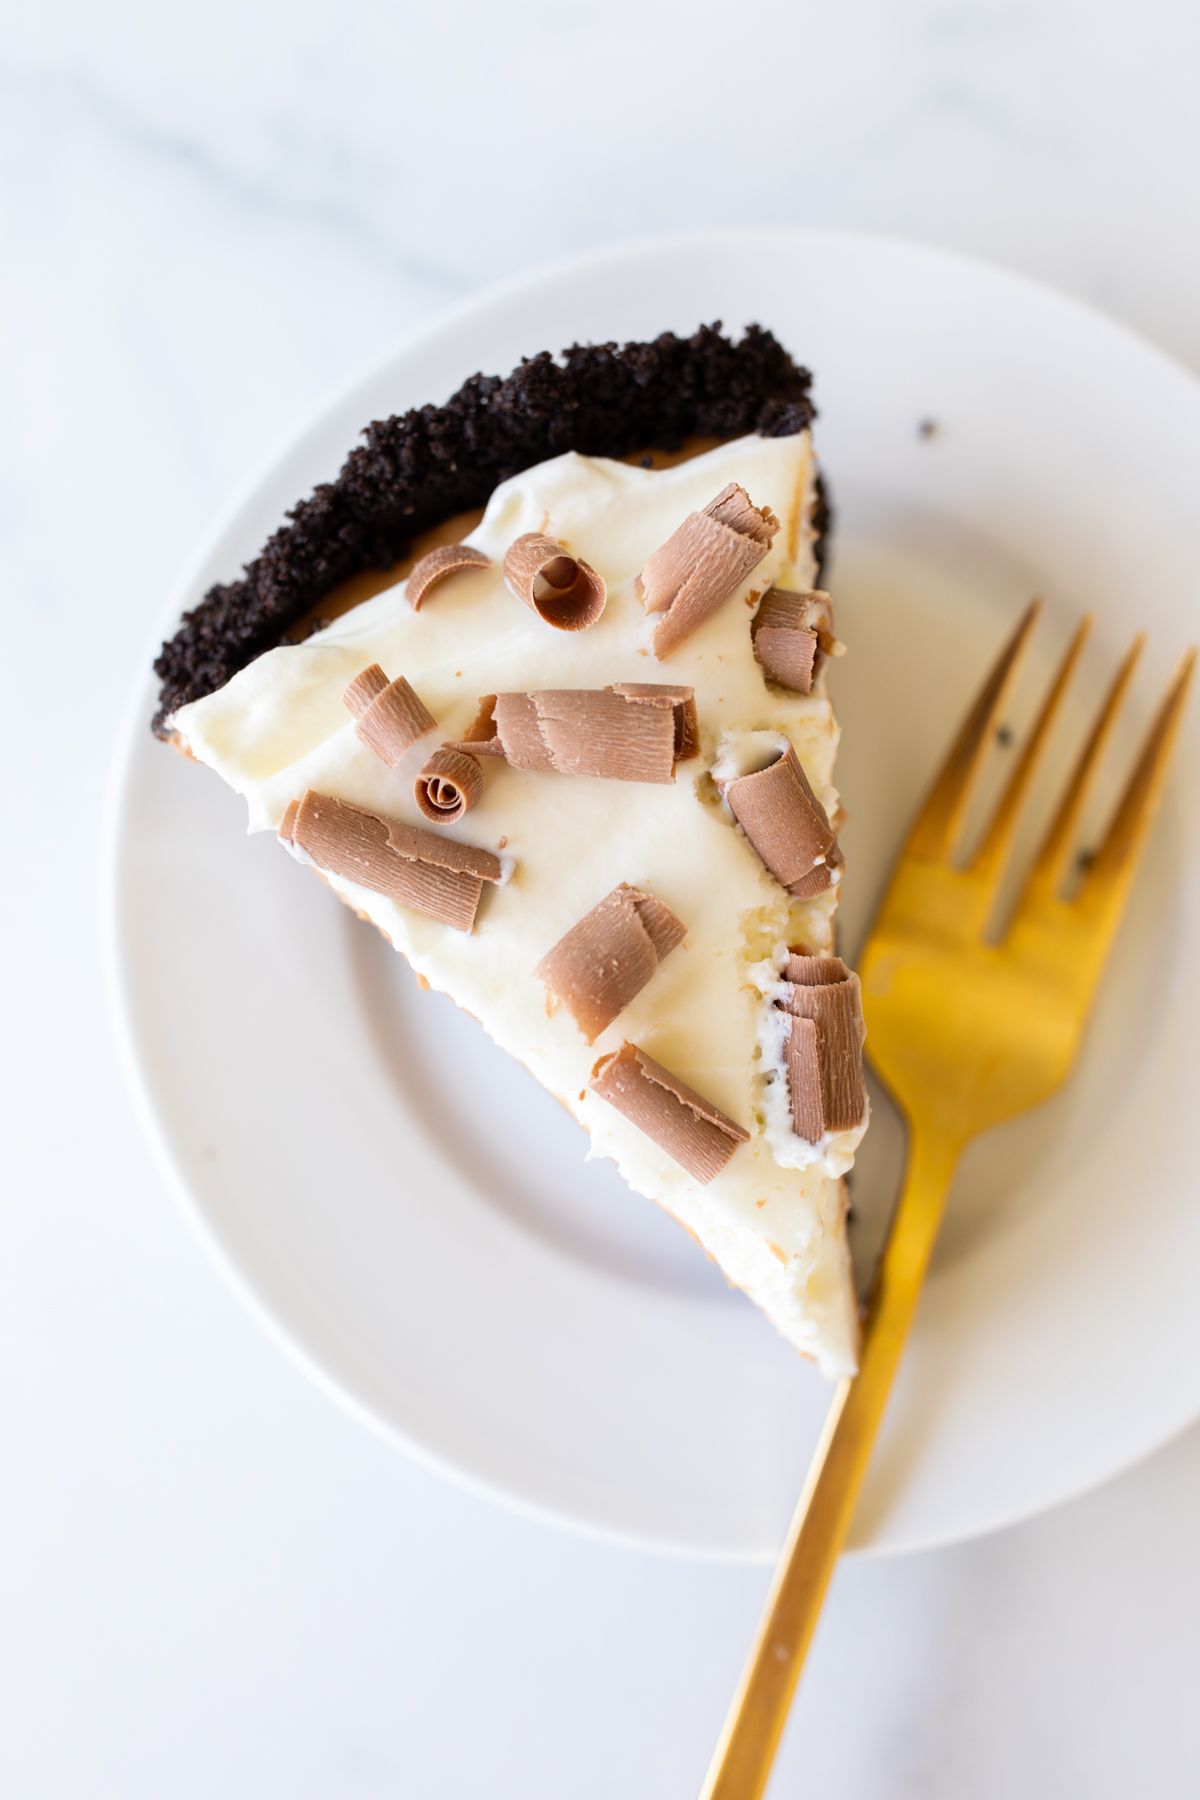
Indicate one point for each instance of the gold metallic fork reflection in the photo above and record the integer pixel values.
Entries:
(966, 1033)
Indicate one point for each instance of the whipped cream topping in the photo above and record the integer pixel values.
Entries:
(774, 1219)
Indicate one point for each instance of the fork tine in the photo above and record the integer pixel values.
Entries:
(937, 824)
(1117, 858)
(1046, 872)
(988, 861)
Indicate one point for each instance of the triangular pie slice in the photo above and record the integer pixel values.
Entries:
(572, 753)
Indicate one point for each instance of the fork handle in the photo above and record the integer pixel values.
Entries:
(741, 1763)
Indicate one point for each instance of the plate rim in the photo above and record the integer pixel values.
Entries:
(116, 823)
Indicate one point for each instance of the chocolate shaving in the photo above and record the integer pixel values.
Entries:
(680, 1121)
(815, 971)
(388, 716)
(633, 731)
(792, 634)
(787, 825)
(682, 700)
(447, 559)
(449, 785)
(702, 562)
(824, 1046)
(561, 589)
(482, 738)
(605, 961)
(416, 868)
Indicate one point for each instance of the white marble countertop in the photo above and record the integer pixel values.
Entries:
(212, 1581)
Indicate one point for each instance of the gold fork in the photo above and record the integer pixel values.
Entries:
(966, 1033)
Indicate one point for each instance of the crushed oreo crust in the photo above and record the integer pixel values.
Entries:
(418, 468)
(822, 525)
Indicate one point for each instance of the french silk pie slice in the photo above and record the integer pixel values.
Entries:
(537, 685)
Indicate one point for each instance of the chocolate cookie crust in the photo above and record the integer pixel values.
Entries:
(418, 468)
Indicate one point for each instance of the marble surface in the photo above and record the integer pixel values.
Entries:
(211, 1581)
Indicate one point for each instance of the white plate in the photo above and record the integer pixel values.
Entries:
(478, 1291)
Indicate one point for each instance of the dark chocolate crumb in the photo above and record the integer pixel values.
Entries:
(928, 428)
(822, 524)
(647, 461)
(1005, 735)
(1085, 861)
(418, 468)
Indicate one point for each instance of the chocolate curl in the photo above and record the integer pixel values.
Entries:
(633, 731)
(448, 786)
(447, 559)
(787, 825)
(561, 589)
(388, 716)
(605, 961)
(702, 562)
(681, 700)
(693, 1131)
(482, 738)
(824, 1046)
(413, 867)
(792, 634)
(287, 824)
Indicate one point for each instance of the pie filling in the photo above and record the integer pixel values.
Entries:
(642, 910)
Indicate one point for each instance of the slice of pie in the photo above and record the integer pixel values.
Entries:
(537, 686)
